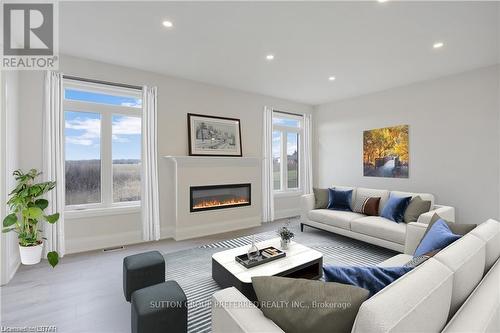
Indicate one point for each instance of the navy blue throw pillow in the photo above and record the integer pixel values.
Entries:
(371, 278)
(395, 208)
(339, 199)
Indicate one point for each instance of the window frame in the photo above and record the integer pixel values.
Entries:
(284, 130)
(106, 205)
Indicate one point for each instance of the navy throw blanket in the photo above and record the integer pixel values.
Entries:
(372, 278)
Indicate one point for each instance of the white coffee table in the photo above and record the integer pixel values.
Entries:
(300, 262)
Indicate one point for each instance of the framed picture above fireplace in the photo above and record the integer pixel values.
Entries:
(214, 136)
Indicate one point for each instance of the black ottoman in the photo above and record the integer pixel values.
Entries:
(142, 270)
(159, 309)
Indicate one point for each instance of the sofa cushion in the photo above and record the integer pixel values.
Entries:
(380, 227)
(398, 260)
(336, 218)
(403, 307)
(320, 307)
(481, 311)
(489, 232)
(245, 317)
(424, 196)
(370, 192)
(465, 258)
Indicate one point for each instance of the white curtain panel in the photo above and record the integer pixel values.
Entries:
(150, 201)
(267, 167)
(308, 154)
(53, 159)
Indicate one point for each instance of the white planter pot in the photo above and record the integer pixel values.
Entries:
(31, 255)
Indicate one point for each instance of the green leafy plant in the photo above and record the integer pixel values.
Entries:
(27, 210)
(285, 233)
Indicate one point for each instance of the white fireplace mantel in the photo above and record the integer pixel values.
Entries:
(186, 171)
(215, 160)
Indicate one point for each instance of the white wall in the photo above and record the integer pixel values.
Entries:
(177, 97)
(9, 143)
(454, 140)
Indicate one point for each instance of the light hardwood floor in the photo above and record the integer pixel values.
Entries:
(84, 292)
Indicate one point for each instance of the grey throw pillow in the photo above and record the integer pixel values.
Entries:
(456, 228)
(300, 305)
(320, 198)
(416, 208)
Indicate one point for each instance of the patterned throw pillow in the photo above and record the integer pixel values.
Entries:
(367, 205)
(416, 261)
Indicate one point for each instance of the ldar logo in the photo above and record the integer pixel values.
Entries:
(30, 36)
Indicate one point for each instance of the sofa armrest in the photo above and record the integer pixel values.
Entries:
(445, 212)
(414, 233)
(306, 205)
(234, 313)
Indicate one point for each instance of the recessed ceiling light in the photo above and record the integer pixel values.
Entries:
(331, 78)
(438, 45)
(270, 57)
(167, 24)
(382, 1)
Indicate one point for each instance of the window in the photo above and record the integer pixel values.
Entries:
(287, 131)
(102, 145)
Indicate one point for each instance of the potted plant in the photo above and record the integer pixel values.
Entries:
(27, 211)
(286, 236)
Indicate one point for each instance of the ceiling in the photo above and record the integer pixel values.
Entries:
(367, 46)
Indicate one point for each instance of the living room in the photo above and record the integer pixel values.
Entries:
(176, 140)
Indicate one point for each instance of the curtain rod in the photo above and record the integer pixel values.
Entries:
(121, 85)
(289, 113)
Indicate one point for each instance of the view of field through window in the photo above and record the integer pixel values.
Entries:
(83, 143)
(83, 158)
(126, 152)
(292, 154)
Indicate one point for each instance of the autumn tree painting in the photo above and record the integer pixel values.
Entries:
(386, 152)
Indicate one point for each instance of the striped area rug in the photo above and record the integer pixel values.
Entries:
(193, 271)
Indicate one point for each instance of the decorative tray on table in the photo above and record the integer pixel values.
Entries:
(265, 255)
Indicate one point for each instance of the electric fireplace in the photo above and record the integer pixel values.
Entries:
(219, 196)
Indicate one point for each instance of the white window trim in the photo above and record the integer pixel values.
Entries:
(106, 112)
(284, 130)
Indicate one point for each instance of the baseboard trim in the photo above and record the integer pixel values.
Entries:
(14, 266)
(216, 228)
(167, 232)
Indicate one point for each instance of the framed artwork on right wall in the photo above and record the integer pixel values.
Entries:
(386, 152)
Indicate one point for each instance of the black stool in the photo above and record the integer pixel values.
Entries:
(142, 270)
(160, 308)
